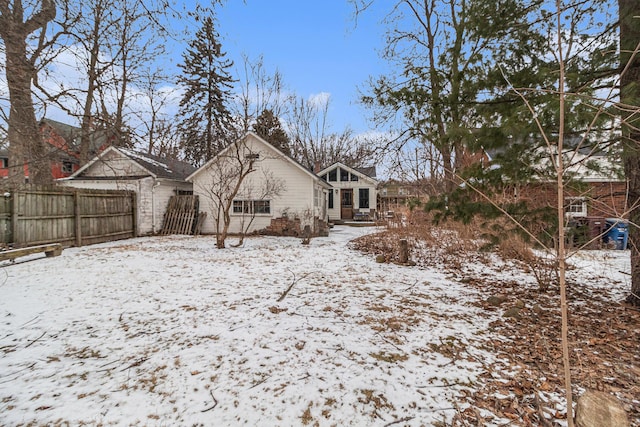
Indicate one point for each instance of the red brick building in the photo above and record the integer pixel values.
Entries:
(63, 142)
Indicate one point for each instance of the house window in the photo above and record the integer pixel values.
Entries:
(262, 207)
(333, 175)
(344, 175)
(4, 162)
(252, 156)
(363, 196)
(253, 207)
(330, 199)
(576, 207)
(239, 206)
(67, 167)
(354, 177)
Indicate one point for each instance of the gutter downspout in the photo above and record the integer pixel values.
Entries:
(153, 206)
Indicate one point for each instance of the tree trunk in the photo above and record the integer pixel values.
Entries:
(629, 10)
(25, 141)
(92, 78)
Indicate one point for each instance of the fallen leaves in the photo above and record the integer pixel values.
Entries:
(527, 386)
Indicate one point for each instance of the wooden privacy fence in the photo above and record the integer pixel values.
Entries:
(36, 215)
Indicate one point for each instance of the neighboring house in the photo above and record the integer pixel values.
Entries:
(597, 187)
(152, 178)
(278, 196)
(63, 142)
(393, 194)
(354, 195)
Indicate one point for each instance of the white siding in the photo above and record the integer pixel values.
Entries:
(363, 182)
(152, 195)
(296, 197)
(114, 164)
(162, 192)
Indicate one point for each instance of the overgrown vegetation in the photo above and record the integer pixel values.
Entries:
(526, 339)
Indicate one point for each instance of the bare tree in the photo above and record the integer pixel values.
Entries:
(252, 194)
(158, 133)
(116, 41)
(227, 172)
(93, 33)
(314, 145)
(260, 91)
(18, 32)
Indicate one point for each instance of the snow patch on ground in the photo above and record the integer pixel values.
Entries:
(170, 330)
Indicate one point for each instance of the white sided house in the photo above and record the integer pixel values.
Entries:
(354, 194)
(152, 178)
(276, 196)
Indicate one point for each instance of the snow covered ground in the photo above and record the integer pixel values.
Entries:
(171, 331)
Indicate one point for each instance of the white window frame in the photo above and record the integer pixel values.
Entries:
(576, 207)
(251, 207)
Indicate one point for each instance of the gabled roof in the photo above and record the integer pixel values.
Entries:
(98, 139)
(157, 167)
(161, 167)
(284, 157)
(368, 173)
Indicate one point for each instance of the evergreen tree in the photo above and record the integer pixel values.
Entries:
(268, 126)
(206, 125)
(515, 112)
(444, 52)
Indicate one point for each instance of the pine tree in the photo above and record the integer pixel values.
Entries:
(206, 124)
(268, 126)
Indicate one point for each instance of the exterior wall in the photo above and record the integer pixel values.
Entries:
(57, 170)
(162, 192)
(605, 199)
(114, 164)
(363, 182)
(608, 199)
(294, 200)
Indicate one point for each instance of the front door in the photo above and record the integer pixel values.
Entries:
(346, 204)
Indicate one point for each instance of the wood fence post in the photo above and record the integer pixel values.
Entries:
(14, 216)
(134, 213)
(77, 216)
(404, 251)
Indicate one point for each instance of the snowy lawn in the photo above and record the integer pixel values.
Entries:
(171, 331)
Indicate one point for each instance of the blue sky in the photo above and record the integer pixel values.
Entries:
(316, 45)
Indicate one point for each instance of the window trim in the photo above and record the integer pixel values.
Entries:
(575, 202)
(258, 207)
(362, 191)
(66, 167)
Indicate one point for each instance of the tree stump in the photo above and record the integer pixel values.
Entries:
(306, 235)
